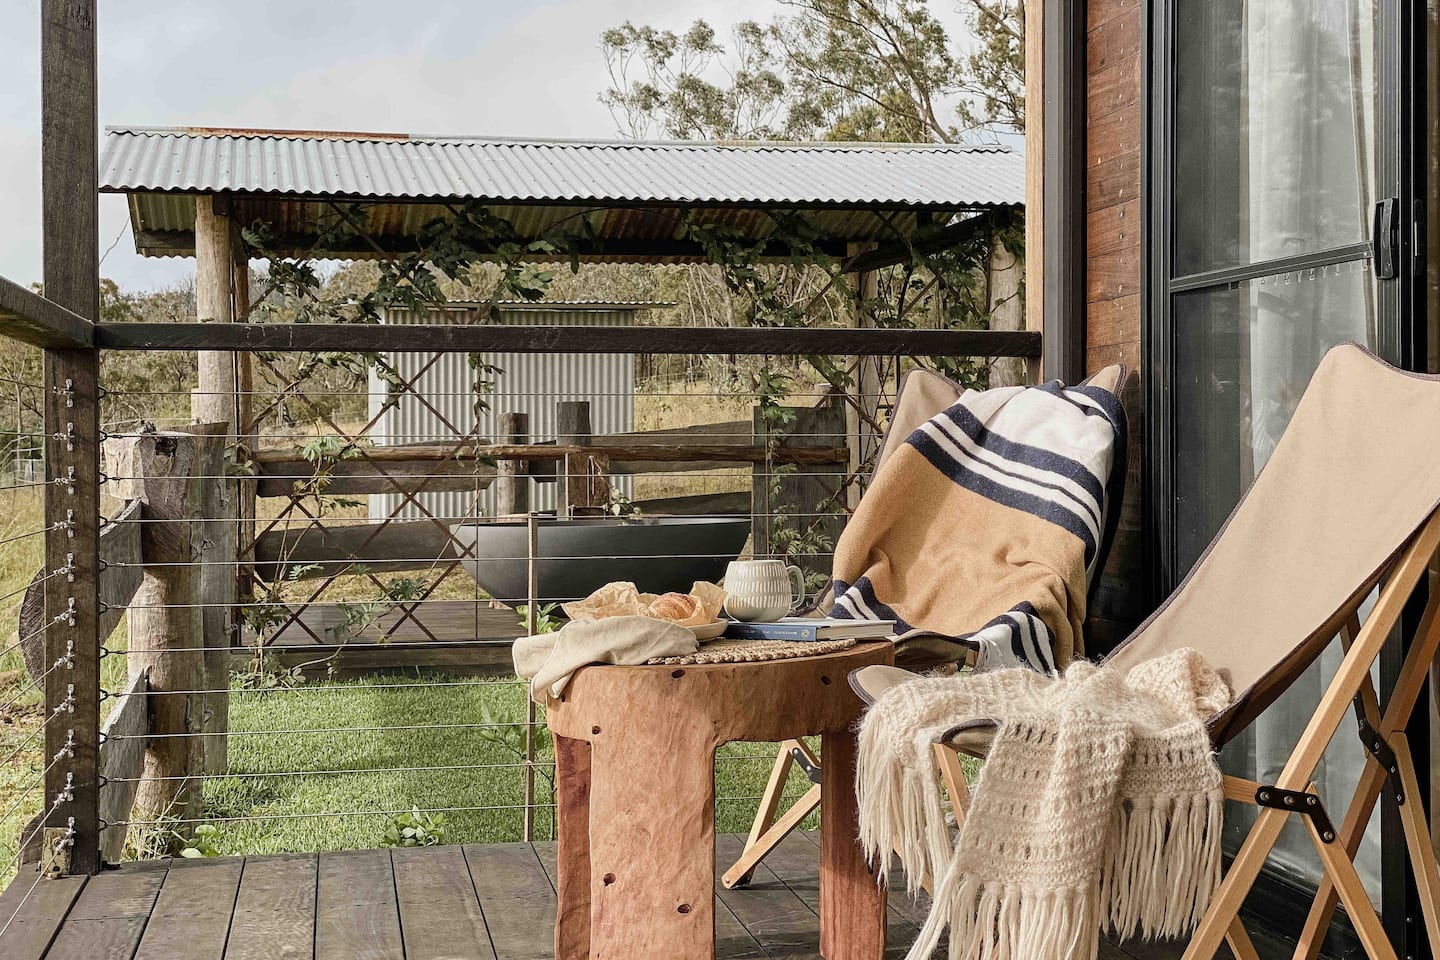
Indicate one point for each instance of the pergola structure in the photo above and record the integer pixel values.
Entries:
(192, 191)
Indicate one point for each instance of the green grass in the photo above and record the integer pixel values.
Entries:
(263, 808)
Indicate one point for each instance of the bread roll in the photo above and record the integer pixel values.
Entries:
(672, 606)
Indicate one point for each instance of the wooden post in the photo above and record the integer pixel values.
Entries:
(1006, 304)
(861, 436)
(165, 625)
(70, 171)
(217, 400)
(512, 477)
(572, 428)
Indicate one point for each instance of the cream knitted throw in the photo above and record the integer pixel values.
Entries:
(1099, 803)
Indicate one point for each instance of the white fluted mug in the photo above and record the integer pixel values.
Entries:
(757, 591)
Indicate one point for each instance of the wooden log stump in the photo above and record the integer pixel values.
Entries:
(512, 477)
(163, 470)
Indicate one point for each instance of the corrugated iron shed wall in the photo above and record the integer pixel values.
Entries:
(528, 383)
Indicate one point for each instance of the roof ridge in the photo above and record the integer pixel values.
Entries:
(347, 136)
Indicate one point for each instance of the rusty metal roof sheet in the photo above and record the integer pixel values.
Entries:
(635, 193)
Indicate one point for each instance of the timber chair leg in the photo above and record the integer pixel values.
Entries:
(1294, 781)
(767, 832)
(1374, 778)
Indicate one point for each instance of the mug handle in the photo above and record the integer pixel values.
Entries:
(797, 587)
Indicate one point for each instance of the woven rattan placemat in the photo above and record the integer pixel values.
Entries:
(746, 651)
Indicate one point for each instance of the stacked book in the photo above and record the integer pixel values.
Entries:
(811, 629)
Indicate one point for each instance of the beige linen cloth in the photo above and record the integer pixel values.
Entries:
(550, 659)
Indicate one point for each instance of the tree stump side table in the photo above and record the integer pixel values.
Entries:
(634, 756)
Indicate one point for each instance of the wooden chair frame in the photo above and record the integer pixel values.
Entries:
(1336, 848)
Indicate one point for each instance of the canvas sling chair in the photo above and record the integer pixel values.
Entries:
(922, 396)
(1346, 508)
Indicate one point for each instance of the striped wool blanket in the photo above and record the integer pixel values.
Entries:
(985, 521)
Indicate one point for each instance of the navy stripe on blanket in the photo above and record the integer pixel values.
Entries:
(1037, 458)
(1029, 638)
(856, 601)
(1029, 503)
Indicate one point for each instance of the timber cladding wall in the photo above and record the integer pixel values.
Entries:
(1113, 130)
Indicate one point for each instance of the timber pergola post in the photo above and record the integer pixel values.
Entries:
(221, 285)
(862, 417)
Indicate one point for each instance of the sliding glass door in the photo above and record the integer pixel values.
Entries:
(1281, 222)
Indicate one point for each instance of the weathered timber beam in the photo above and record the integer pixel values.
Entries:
(281, 477)
(323, 551)
(122, 761)
(481, 338)
(700, 505)
(936, 241)
(182, 244)
(30, 318)
(727, 453)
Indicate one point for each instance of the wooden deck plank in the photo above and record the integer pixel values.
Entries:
(771, 912)
(912, 911)
(732, 940)
(192, 913)
(795, 863)
(356, 913)
(516, 898)
(31, 912)
(109, 917)
(344, 905)
(275, 909)
(440, 916)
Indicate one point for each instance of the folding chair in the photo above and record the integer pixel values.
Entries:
(922, 396)
(1346, 504)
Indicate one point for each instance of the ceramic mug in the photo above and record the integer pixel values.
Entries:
(762, 590)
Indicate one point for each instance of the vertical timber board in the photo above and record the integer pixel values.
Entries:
(1035, 171)
(1113, 265)
(70, 203)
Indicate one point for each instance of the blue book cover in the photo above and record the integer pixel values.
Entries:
(809, 629)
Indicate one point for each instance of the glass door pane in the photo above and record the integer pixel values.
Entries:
(1243, 354)
(1274, 135)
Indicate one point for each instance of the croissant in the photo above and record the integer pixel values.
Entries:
(672, 606)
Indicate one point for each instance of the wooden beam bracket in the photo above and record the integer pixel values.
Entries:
(31, 318)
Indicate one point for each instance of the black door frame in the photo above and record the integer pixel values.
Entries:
(1400, 158)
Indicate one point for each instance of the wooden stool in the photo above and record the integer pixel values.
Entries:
(635, 769)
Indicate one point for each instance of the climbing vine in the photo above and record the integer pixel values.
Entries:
(943, 288)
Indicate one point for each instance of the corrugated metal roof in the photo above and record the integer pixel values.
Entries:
(637, 198)
(384, 166)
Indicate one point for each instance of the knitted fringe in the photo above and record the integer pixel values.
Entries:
(903, 810)
(997, 921)
(1162, 864)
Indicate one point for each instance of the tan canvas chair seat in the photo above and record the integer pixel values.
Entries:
(1347, 502)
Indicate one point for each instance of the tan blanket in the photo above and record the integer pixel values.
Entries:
(984, 524)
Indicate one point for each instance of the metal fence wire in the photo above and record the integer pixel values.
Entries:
(321, 630)
(305, 620)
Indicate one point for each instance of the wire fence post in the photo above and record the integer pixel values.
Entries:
(531, 715)
(72, 642)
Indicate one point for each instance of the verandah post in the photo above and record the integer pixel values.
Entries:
(70, 202)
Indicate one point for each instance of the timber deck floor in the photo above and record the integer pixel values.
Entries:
(472, 902)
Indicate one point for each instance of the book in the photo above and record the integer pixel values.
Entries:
(811, 629)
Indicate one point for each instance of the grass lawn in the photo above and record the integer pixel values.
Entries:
(351, 781)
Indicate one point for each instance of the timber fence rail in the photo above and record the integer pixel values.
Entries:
(286, 646)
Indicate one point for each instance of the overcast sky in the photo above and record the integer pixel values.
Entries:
(518, 68)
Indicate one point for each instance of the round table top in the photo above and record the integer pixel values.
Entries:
(764, 700)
